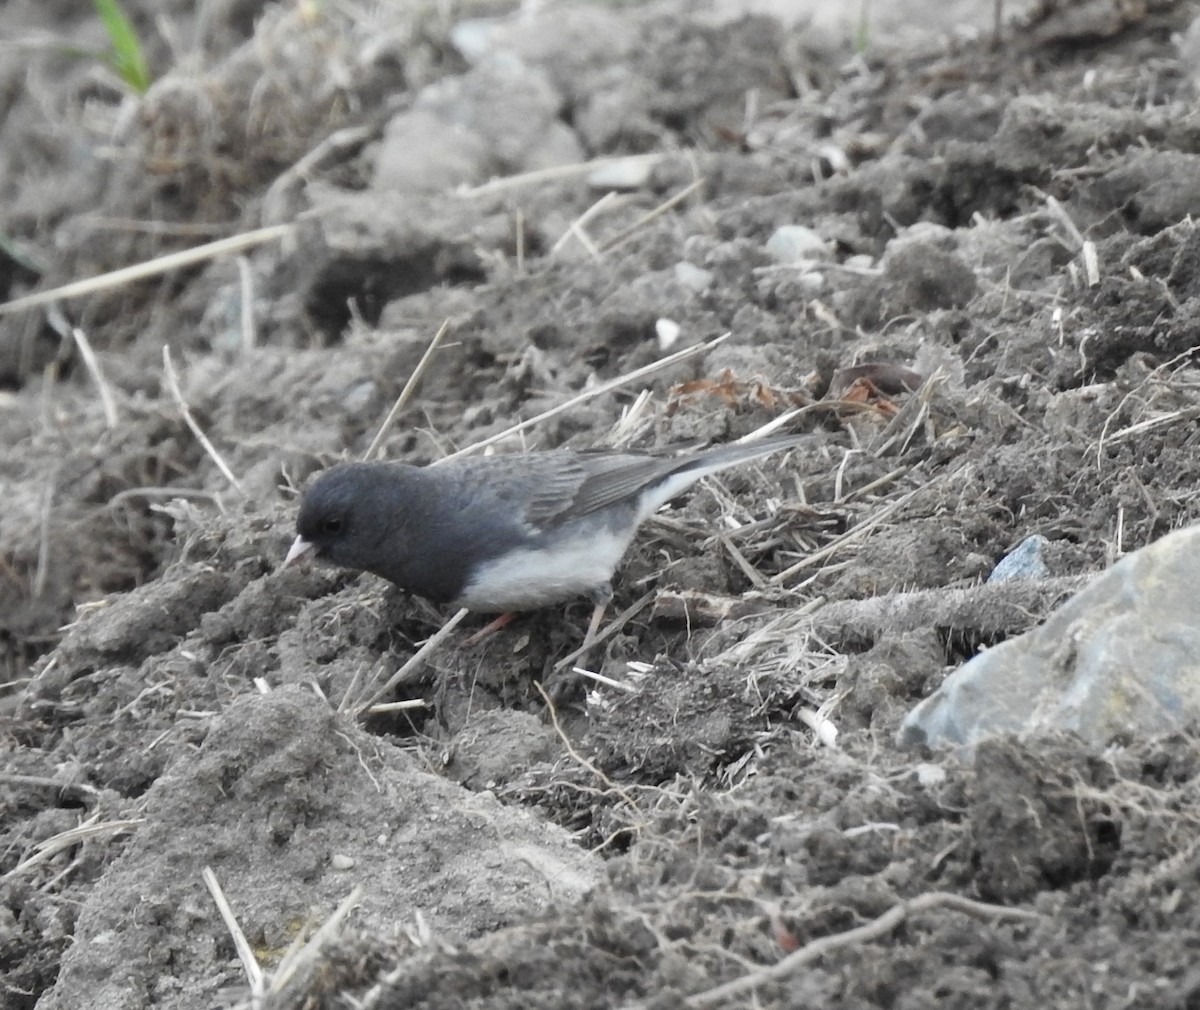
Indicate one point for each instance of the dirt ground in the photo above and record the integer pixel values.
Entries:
(983, 305)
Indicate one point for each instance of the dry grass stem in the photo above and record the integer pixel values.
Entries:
(899, 433)
(579, 758)
(76, 789)
(772, 426)
(1162, 420)
(339, 142)
(107, 401)
(150, 268)
(159, 492)
(615, 625)
(605, 387)
(753, 574)
(42, 572)
(413, 663)
(1091, 263)
(177, 394)
(297, 957)
(575, 228)
(865, 933)
(93, 827)
(599, 678)
(1059, 213)
(555, 173)
(407, 392)
(246, 278)
(1159, 378)
(857, 533)
(649, 216)
(519, 228)
(635, 419)
(250, 965)
(888, 478)
(397, 706)
(822, 726)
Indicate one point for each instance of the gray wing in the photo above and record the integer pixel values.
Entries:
(548, 488)
(612, 478)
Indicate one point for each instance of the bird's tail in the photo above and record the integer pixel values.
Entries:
(689, 469)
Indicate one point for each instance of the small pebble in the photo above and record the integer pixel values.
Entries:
(929, 775)
(624, 175)
(793, 243)
(668, 333)
(693, 277)
(811, 283)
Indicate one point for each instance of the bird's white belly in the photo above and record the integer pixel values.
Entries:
(532, 578)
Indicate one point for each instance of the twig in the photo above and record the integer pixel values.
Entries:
(407, 392)
(93, 367)
(818, 948)
(151, 268)
(173, 386)
(414, 661)
(254, 973)
(589, 394)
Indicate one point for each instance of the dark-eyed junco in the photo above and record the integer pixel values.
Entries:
(497, 534)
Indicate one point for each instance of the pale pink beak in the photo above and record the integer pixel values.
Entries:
(299, 551)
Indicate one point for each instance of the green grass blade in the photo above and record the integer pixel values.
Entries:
(127, 58)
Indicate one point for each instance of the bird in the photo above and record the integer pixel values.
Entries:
(504, 533)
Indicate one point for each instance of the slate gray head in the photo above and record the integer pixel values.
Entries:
(501, 533)
(343, 516)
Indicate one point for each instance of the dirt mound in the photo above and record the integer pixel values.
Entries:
(966, 266)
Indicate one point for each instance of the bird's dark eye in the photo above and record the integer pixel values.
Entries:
(331, 525)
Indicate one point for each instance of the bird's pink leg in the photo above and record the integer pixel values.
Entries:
(489, 629)
(594, 624)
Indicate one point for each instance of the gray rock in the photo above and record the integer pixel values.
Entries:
(420, 152)
(500, 117)
(1024, 561)
(1120, 657)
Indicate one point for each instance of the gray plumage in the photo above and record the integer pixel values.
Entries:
(500, 533)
